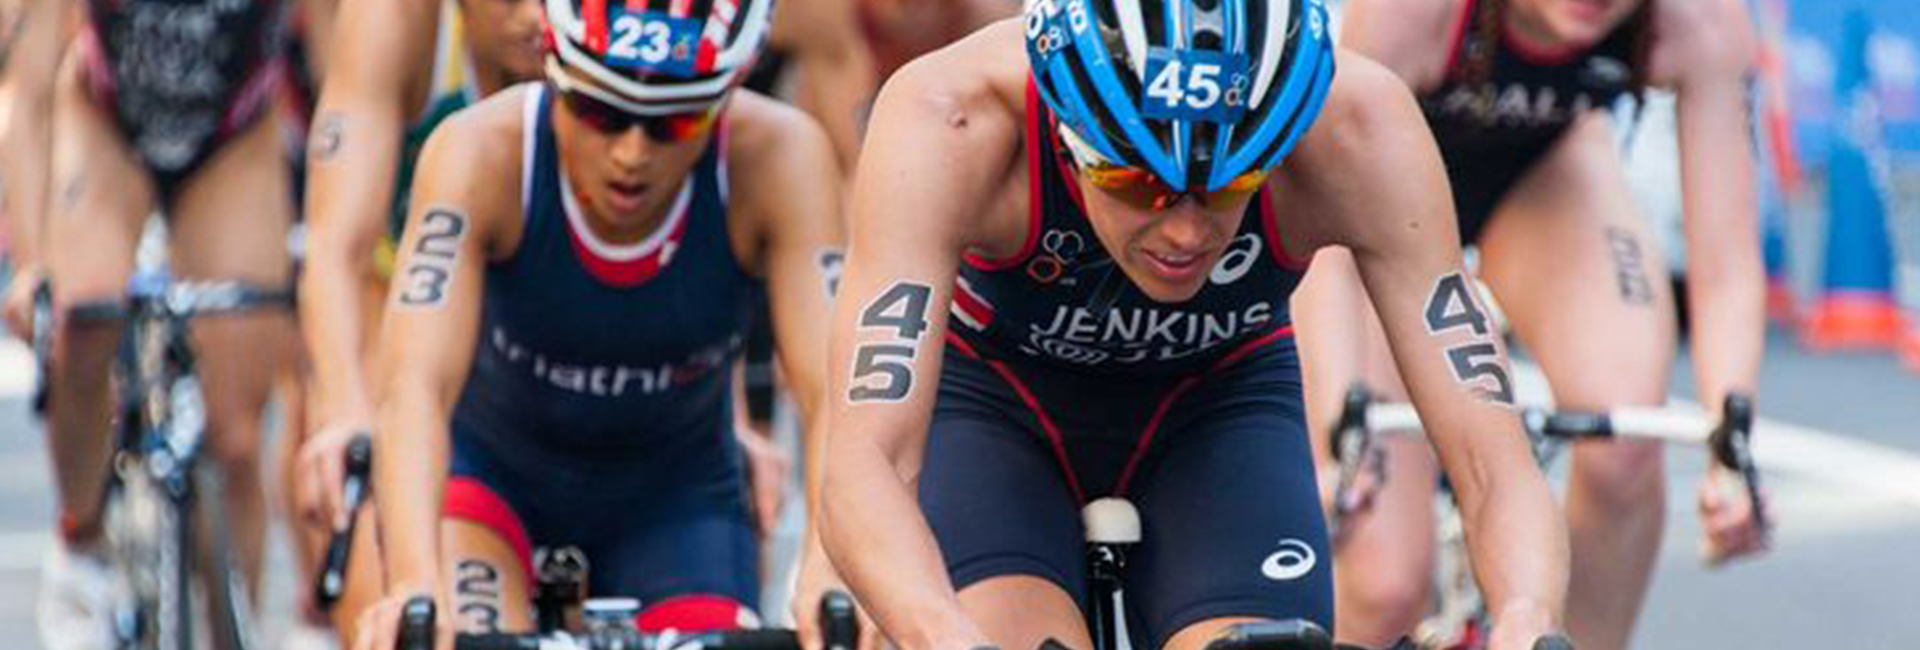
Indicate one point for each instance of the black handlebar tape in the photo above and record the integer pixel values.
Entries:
(416, 624)
(839, 624)
(755, 640)
(332, 581)
(499, 642)
(1577, 425)
(1292, 634)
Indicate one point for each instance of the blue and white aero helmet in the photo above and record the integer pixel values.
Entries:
(657, 56)
(1198, 91)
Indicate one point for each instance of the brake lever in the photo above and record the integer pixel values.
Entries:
(1732, 445)
(42, 344)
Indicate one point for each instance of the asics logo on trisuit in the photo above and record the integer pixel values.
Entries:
(1294, 560)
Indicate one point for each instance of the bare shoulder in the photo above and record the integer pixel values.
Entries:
(473, 160)
(760, 127)
(784, 152)
(1369, 149)
(982, 74)
(1413, 38)
(1368, 105)
(1697, 40)
(481, 137)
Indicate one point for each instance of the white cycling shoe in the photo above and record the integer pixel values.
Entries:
(76, 601)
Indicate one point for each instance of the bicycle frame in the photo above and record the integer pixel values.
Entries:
(156, 478)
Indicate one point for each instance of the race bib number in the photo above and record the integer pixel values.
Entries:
(1194, 85)
(653, 42)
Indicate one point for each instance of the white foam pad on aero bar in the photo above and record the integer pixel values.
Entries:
(1111, 521)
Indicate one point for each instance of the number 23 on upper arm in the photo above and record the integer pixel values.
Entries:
(891, 327)
(427, 278)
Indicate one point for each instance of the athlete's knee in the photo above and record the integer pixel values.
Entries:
(233, 441)
(1382, 601)
(1622, 474)
(1022, 611)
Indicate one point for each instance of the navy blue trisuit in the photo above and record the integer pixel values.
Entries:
(1063, 382)
(598, 411)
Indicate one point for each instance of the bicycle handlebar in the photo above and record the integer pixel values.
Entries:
(147, 293)
(157, 293)
(836, 613)
(1729, 440)
(331, 581)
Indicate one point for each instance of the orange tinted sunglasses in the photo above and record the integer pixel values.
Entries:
(1141, 188)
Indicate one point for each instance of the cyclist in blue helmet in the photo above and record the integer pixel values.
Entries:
(1074, 237)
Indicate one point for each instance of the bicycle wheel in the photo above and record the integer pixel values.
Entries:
(229, 612)
(150, 539)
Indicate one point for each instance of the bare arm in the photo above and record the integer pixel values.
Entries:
(797, 204)
(836, 69)
(1712, 48)
(1706, 52)
(941, 148)
(1372, 156)
(30, 49)
(428, 338)
(373, 85)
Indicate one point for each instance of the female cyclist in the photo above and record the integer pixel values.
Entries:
(569, 299)
(1517, 94)
(1069, 279)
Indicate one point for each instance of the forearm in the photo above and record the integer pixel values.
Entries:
(31, 55)
(1518, 548)
(880, 542)
(334, 284)
(352, 158)
(1727, 304)
(25, 143)
(410, 469)
(1726, 278)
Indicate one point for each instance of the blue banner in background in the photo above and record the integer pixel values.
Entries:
(1816, 43)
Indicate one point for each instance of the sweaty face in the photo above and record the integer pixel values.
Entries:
(1167, 253)
(1569, 23)
(625, 180)
(504, 34)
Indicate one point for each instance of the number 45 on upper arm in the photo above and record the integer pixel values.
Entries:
(883, 369)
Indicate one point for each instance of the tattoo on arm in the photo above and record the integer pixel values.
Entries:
(883, 370)
(1629, 266)
(329, 133)
(70, 195)
(831, 261)
(1477, 363)
(429, 271)
(477, 594)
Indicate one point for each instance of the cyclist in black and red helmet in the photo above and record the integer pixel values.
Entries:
(568, 303)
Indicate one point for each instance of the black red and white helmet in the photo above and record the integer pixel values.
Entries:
(656, 57)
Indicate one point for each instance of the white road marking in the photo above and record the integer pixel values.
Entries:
(17, 368)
